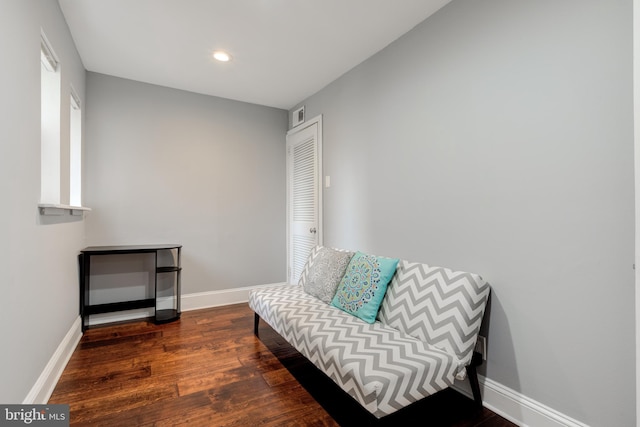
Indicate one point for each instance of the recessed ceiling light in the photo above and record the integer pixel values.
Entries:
(222, 56)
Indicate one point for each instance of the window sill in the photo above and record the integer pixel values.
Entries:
(57, 210)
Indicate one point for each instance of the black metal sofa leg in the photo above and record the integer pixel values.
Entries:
(472, 373)
(256, 321)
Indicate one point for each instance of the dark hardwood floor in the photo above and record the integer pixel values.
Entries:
(208, 369)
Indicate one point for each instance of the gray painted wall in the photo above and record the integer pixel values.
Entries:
(39, 286)
(497, 137)
(165, 165)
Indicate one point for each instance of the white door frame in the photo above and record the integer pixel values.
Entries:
(320, 228)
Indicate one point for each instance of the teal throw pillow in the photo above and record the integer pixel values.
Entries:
(363, 285)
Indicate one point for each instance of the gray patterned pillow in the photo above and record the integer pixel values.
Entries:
(326, 272)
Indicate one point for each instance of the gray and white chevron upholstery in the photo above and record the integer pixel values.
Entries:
(310, 260)
(381, 367)
(444, 308)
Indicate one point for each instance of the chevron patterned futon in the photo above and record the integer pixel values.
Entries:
(423, 339)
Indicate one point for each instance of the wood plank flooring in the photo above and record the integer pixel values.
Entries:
(208, 369)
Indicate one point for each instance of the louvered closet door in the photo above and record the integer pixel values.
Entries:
(303, 197)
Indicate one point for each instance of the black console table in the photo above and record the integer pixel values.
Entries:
(161, 316)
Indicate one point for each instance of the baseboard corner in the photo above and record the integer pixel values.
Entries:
(201, 300)
(516, 407)
(46, 382)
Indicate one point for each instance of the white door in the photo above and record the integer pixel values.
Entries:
(304, 195)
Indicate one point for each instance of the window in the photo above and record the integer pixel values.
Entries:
(50, 124)
(75, 151)
(60, 190)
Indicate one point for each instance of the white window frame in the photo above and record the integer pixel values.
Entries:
(50, 143)
(75, 150)
(50, 90)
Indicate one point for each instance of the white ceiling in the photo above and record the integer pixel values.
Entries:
(283, 50)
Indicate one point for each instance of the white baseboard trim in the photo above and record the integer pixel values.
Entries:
(500, 399)
(188, 302)
(202, 300)
(119, 316)
(46, 382)
(515, 407)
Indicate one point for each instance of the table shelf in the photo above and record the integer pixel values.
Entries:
(161, 315)
(167, 269)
